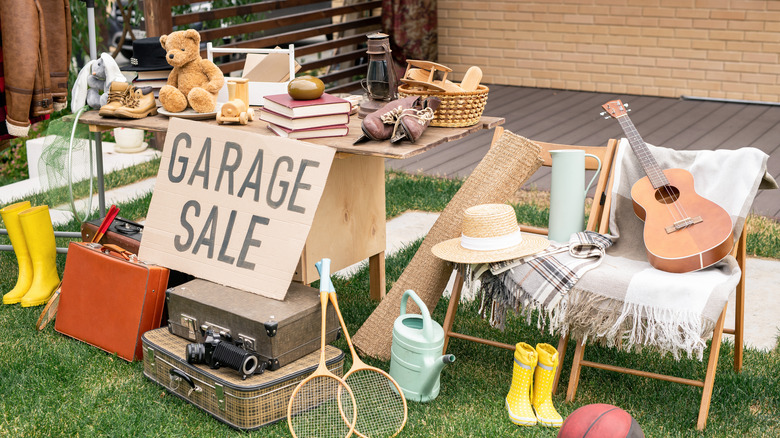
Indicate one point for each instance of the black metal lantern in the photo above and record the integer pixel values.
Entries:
(381, 83)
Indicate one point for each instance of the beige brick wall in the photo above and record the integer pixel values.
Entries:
(708, 48)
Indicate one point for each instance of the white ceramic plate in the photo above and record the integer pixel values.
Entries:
(190, 113)
(120, 150)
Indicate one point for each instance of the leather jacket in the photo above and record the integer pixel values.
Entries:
(36, 37)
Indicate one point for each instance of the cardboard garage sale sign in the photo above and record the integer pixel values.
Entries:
(234, 207)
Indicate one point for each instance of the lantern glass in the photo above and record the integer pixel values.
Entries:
(378, 79)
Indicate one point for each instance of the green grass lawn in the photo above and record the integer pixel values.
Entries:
(51, 385)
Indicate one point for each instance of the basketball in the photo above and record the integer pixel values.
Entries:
(600, 421)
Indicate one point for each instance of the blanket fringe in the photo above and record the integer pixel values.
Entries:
(635, 327)
(590, 316)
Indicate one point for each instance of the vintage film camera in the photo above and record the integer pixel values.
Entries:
(218, 350)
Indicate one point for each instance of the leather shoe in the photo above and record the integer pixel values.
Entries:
(138, 104)
(117, 95)
(373, 126)
(413, 121)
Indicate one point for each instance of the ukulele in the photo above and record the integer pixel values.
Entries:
(683, 231)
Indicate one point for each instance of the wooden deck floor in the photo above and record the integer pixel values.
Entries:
(572, 117)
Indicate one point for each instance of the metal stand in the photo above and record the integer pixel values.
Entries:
(98, 139)
(98, 144)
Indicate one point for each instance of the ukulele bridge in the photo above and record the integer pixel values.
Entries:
(683, 223)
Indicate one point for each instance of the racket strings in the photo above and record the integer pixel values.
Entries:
(318, 409)
(380, 404)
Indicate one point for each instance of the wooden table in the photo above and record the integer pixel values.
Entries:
(352, 227)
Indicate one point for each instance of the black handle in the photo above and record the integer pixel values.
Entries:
(180, 374)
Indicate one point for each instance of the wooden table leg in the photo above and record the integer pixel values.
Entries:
(376, 273)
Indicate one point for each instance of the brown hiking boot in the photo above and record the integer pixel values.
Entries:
(117, 94)
(138, 104)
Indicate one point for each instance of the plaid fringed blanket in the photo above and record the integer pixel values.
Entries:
(540, 281)
(625, 302)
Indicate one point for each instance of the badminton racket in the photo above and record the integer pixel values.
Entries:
(322, 405)
(381, 405)
(50, 310)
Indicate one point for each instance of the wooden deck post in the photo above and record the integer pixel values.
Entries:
(158, 18)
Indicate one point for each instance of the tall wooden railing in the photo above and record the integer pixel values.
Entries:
(329, 35)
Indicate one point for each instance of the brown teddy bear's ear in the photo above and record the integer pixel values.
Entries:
(193, 34)
(162, 40)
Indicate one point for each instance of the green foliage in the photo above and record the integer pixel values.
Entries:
(55, 386)
(13, 163)
(404, 192)
(80, 29)
(13, 160)
(224, 22)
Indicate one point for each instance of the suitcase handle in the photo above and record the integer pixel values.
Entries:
(118, 250)
(177, 374)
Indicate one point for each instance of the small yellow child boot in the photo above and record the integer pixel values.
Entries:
(39, 235)
(10, 215)
(518, 402)
(543, 382)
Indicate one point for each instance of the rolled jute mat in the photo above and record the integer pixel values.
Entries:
(511, 160)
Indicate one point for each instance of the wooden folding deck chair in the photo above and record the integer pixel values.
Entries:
(599, 221)
(739, 253)
(597, 211)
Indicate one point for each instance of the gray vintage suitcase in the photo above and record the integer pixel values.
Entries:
(280, 332)
(248, 404)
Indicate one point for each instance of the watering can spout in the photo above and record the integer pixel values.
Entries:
(434, 370)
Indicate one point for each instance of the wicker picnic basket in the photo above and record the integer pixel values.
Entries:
(457, 110)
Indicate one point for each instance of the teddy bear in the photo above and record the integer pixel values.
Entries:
(194, 81)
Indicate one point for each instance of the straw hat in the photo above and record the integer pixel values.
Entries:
(489, 233)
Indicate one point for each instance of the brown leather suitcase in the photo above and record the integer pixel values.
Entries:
(122, 232)
(280, 332)
(109, 298)
(245, 404)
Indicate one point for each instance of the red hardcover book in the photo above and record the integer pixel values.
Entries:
(319, 132)
(303, 122)
(285, 105)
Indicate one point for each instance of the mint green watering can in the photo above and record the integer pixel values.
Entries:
(416, 360)
(567, 193)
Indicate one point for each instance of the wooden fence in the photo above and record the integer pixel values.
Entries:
(329, 36)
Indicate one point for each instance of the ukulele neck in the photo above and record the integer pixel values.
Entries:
(654, 172)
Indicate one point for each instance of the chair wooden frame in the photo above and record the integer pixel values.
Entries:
(600, 205)
(599, 221)
(707, 384)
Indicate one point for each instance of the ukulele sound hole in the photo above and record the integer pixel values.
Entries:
(667, 194)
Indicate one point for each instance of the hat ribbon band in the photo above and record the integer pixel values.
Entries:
(491, 243)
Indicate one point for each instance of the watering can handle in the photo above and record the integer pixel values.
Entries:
(426, 316)
(594, 175)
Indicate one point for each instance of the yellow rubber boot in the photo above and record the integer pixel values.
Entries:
(543, 382)
(518, 401)
(39, 235)
(10, 215)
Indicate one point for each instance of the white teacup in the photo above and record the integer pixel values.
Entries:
(129, 139)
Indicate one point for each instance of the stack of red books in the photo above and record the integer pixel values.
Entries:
(326, 116)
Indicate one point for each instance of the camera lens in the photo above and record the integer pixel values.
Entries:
(249, 366)
(195, 353)
(235, 357)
